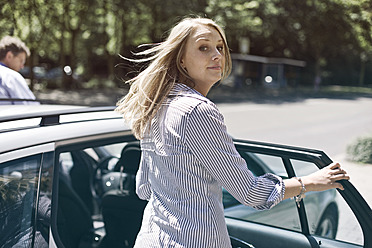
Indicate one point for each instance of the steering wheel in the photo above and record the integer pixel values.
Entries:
(102, 168)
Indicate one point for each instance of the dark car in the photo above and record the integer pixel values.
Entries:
(67, 179)
(40, 72)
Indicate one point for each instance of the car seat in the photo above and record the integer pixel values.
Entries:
(81, 175)
(121, 208)
(74, 222)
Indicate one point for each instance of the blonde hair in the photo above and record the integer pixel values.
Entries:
(150, 87)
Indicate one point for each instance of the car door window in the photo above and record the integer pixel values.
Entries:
(283, 215)
(328, 214)
(19, 181)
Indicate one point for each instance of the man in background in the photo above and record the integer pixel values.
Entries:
(13, 54)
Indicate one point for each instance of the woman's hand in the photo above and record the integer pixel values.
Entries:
(326, 178)
(323, 179)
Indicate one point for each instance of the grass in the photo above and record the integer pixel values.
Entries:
(347, 89)
(361, 150)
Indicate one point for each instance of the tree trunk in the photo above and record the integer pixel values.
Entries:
(72, 61)
(31, 66)
(62, 47)
(362, 71)
(317, 77)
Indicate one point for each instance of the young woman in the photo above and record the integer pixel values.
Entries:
(187, 154)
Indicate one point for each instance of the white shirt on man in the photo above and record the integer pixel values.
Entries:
(13, 85)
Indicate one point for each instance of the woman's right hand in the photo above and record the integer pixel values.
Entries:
(326, 178)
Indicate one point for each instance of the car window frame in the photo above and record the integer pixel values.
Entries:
(26, 152)
(350, 194)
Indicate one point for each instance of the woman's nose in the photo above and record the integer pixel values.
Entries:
(217, 54)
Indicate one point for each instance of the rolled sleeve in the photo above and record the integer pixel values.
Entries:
(208, 140)
(143, 187)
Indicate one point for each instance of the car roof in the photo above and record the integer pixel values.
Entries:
(29, 125)
(7, 111)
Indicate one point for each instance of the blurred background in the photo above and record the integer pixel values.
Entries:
(275, 44)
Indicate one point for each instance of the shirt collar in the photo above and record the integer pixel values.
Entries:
(180, 88)
(3, 65)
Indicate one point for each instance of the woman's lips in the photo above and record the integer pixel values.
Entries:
(217, 67)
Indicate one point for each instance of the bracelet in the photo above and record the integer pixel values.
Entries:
(299, 197)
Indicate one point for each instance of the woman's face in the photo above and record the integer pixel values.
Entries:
(204, 57)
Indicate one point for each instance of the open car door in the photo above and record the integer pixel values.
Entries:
(331, 218)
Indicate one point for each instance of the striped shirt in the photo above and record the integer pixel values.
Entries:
(187, 157)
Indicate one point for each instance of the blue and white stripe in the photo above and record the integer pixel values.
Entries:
(187, 158)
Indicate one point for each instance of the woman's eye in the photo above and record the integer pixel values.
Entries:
(203, 48)
(220, 48)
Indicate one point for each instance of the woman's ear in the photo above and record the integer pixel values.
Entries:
(183, 64)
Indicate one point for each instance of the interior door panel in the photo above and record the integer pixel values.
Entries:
(262, 234)
(265, 236)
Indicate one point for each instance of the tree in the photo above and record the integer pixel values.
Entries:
(26, 20)
(89, 35)
(311, 30)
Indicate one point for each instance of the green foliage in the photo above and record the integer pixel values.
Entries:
(89, 35)
(361, 150)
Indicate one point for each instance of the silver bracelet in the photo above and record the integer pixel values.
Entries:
(299, 197)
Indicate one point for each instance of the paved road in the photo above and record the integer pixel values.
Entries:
(325, 124)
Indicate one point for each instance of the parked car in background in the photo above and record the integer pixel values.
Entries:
(67, 180)
(57, 73)
(40, 72)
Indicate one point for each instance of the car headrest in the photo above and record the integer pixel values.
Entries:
(129, 160)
